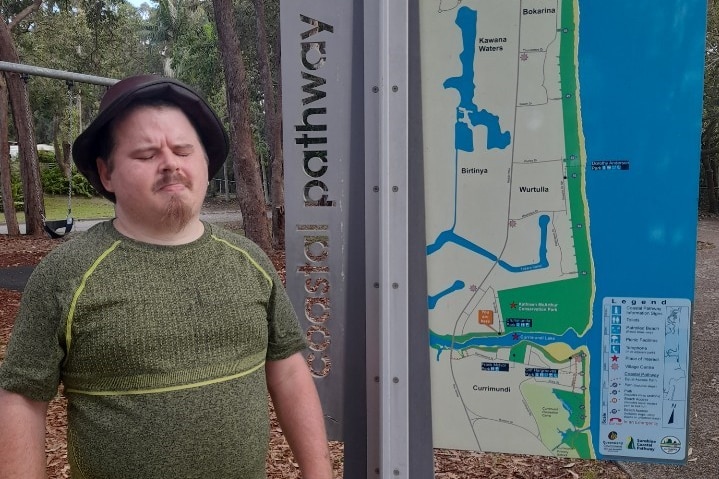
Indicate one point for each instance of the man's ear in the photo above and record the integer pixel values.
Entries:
(104, 173)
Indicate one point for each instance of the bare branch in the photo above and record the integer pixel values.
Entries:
(34, 7)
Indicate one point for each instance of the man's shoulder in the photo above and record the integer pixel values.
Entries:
(244, 247)
(237, 241)
(80, 250)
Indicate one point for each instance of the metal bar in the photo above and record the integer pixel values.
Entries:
(421, 458)
(372, 261)
(58, 74)
(394, 281)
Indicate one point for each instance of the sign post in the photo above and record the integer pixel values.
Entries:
(345, 101)
(552, 229)
(318, 123)
(399, 439)
(387, 127)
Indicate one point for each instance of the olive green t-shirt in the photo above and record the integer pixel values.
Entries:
(161, 350)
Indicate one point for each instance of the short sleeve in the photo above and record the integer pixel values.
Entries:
(285, 335)
(34, 355)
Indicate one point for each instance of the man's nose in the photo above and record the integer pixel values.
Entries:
(170, 162)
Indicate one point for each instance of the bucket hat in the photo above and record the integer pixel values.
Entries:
(122, 94)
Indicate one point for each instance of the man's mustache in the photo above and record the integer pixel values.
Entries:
(172, 179)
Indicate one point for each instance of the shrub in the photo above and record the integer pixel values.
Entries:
(82, 187)
(46, 157)
(16, 187)
(55, 182)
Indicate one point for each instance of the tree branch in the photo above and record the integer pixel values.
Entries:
(34, 7)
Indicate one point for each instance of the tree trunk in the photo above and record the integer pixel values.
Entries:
(711, 184)
(56, 137)
(226, 180)
(273, 133)
(8, 201)
(27, 153)
(247, 169)
(61, 145)
(278, 173)
(20, 103)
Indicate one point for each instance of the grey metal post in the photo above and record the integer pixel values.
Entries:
(394, 368)
(58, 74)
(421, 458)
(372, 206)
(345, 38)
(386, 136)
(323, 145)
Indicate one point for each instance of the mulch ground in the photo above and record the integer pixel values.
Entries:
(449, 464)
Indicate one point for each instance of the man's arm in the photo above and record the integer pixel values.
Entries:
(22, 437)
(300, 414)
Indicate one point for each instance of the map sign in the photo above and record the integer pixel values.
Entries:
(561, 146)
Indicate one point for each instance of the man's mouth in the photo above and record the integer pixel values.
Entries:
(172, 182)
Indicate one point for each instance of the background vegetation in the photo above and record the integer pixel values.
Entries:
(113, 39)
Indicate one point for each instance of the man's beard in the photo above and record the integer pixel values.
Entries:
(177, 214)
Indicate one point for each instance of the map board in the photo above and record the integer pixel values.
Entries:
(561, 159)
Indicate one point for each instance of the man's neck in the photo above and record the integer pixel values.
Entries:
(159, 234)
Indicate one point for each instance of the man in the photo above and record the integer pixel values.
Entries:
(165, 331)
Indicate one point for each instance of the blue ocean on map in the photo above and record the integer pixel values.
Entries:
(643, 220)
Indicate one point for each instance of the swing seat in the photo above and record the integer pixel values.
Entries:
(53, 228)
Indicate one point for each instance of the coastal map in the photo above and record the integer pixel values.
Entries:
(560, 273)
(509, 258)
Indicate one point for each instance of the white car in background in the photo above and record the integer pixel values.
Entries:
(40, 147)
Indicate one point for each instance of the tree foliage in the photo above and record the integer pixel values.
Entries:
(185, 35)
(103, 38)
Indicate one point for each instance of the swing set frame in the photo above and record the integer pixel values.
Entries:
(59, 228)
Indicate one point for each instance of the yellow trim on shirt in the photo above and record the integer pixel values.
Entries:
(78, 292)
(256, 265)
(168, 388)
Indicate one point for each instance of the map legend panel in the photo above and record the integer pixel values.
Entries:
(645, 364)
